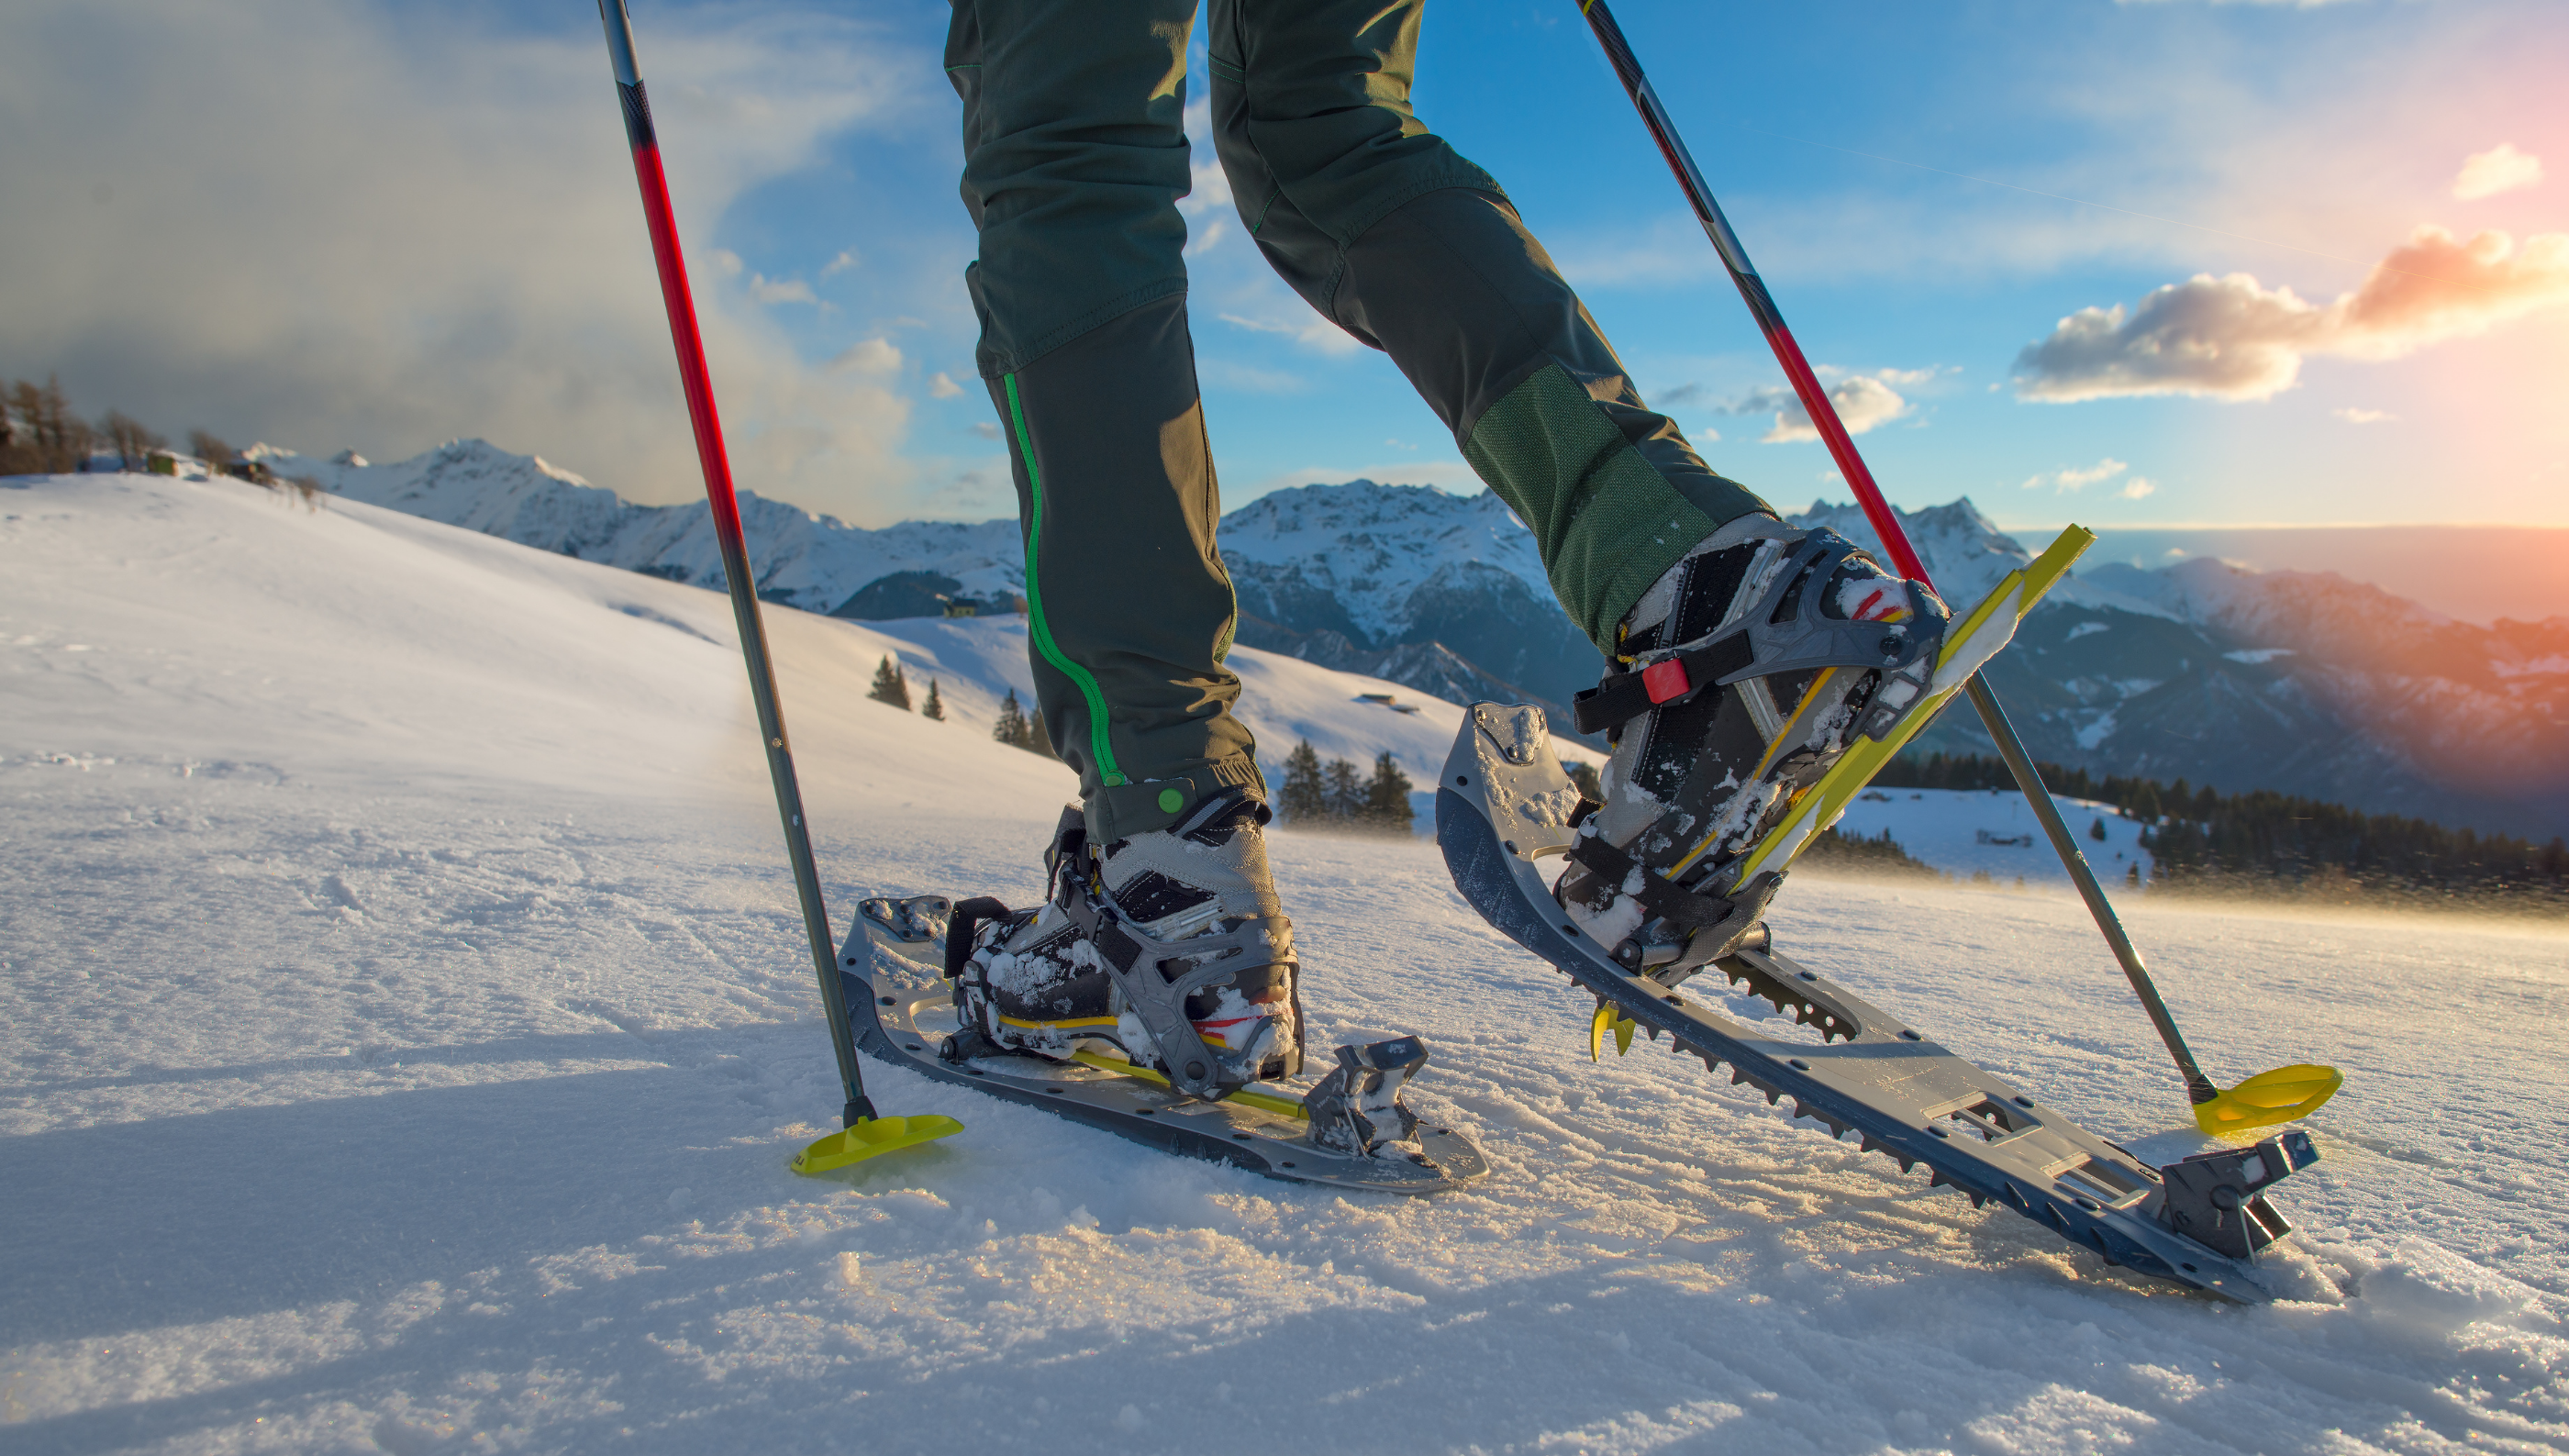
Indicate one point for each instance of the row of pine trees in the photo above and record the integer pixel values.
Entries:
(1335, 796)
(2202, 836)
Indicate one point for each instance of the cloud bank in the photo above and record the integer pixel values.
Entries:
(330, 224)
(2231, 338)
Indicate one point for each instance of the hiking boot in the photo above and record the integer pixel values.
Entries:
(1741, 675)
(1167, 948)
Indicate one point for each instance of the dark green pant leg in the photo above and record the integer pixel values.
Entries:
(1126, 602)
(1390, 234)
(1074, 158)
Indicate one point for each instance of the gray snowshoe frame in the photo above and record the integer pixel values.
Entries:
(902, 1012)
(1503, 802)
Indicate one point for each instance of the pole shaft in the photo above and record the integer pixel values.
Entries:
(1884, 522)
(697, 381)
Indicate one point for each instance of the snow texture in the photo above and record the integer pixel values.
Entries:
(407, 1026)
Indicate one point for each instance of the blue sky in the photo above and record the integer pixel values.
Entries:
(413, 222)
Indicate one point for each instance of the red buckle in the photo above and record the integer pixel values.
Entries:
(1666, 681)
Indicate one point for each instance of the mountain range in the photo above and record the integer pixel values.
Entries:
(2300, 682)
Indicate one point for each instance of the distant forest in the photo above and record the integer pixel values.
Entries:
(2204, 839)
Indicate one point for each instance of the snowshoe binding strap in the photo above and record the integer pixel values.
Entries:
(1157, 976)
(1356, 1109)
(1707, 926)
(1760, 645)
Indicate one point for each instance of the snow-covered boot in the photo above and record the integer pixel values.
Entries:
(1170, 947)
(1741, 676)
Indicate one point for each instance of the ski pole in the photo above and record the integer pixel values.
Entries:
(883, 1133)
(2229, 1109)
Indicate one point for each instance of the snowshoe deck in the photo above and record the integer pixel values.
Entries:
(1503, 802)
(902, 1010)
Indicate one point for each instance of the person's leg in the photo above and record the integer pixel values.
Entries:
(1074, 158)
(1409, 248)
(1665, 565)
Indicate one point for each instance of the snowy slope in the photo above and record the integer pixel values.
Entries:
(1965, 832)
(404, 1026)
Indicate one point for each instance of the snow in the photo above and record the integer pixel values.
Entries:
(407, 1028)
(1967, 831)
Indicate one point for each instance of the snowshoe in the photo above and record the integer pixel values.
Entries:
(1175, 1031)
(1504, 804)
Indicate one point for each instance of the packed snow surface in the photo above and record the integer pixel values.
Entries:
(406, 1025)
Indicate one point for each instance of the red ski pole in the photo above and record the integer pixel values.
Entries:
(865, 1133)
(2277, 1096)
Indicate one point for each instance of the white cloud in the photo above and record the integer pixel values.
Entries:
(1314, 332)
(1249, 378)
(2363, 417)
(1206, 236)
(2231, 338)
(1862, 401)
(2501, 168)
(780, 290)
(841, 264)
(942, 386)
(337, 225)
(867, 356)
(2137, 487)
(2078, 478)
(987, 429)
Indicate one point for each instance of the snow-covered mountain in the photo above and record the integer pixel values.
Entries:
(2294, 681)
(809, 560)
(1445, 593)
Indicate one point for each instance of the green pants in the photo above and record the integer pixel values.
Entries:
(1074, 158)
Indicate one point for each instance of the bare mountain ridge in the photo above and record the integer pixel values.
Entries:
(2301, 682)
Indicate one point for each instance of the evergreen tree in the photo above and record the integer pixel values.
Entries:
(1386, 799)
(1011, 727)
(1304, 799)
(1346, 791)
(890, 686)
(1585, 776)
(1038, 738)
(934, 707)
(2096, 830)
